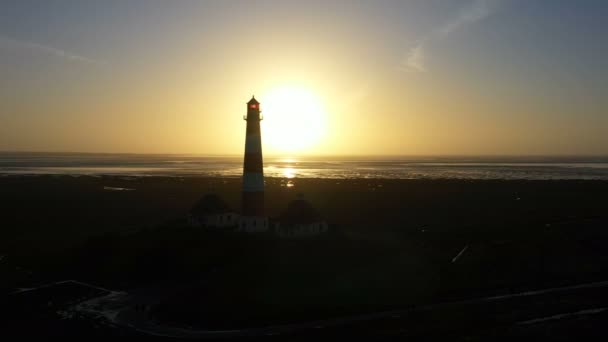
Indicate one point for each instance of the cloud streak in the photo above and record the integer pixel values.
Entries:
(477, 10)
(9, 43)
(414, 60)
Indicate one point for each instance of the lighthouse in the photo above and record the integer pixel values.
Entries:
(253, 218)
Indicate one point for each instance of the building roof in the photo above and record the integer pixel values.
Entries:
(300, 211)
(253, 101)
(210, 204)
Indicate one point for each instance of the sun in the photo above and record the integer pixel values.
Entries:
(294, 119)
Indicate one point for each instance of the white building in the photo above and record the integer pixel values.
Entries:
(213, 213)
(253, 224)
(300, 220)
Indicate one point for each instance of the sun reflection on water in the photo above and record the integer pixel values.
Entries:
(289, 172)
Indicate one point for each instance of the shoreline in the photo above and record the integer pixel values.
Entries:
(127, 176)
(430, 167)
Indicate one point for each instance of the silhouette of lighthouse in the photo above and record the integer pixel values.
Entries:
(253, 218)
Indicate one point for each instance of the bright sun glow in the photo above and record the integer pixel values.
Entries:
(294, 119)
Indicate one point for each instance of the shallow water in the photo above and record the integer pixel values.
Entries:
(309, 167)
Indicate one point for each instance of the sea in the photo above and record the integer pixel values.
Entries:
(399, 167)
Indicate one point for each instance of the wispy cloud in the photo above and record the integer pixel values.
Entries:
(10, 43)
(477, 10)
(414, 60)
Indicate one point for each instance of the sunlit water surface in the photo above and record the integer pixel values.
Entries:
(308, 167)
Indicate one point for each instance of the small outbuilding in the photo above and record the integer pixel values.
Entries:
(213, 213)
(300, 220)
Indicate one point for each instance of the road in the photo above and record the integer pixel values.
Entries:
(114, 308)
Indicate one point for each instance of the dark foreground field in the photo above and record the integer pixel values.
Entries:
(395, 248)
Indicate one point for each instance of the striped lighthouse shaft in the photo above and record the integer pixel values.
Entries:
(253, 172)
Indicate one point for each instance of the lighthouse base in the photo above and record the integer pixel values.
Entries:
(253, 224)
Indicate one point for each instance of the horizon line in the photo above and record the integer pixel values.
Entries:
(295, 155)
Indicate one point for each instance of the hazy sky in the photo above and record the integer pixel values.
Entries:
(393, 77)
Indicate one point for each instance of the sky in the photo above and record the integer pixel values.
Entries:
(427, 77)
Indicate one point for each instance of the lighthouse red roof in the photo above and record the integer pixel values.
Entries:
(253, 101)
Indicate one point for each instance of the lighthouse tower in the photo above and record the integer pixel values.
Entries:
(253, 218)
